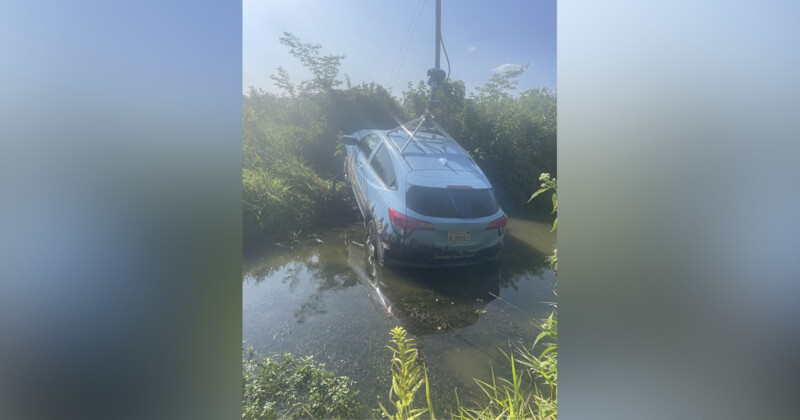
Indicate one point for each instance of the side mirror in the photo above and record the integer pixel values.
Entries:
(349, 140)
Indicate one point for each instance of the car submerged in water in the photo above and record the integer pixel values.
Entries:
(424, 200)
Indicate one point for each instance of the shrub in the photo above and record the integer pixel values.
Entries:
(295, 387)
(511, 137)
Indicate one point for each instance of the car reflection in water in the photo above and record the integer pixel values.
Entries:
(426, 300)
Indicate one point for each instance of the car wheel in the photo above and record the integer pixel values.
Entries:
(371, 240)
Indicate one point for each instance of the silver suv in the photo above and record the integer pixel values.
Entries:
(424, 200)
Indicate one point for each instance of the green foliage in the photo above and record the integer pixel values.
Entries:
(406, 379)
(510, 136)
(553, 260)
(290, 162)
(291, 387)
(532, 391)
(283, 81)
(515, 398)
(544, 366)
(290, 141)
(324, 67)
(506, 398)
(287, 172)
(547, 185)
(501, 83)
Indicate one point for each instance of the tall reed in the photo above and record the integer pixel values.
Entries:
(406, 379)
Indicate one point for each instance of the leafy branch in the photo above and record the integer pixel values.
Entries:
(547, 185)
(406, 379)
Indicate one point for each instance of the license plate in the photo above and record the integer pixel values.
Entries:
(457, 237)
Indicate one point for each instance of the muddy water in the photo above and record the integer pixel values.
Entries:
(327, 299)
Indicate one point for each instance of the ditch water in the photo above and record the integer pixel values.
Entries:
(328, 300)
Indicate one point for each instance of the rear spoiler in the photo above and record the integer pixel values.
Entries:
(440, 179)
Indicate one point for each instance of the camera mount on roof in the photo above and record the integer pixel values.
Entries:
(435, 77)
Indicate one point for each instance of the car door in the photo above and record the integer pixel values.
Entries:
(381, 179)
(361, 160)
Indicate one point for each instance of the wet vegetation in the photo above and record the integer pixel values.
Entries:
(290, 163)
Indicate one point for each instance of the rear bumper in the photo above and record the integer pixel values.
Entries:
(402, 255)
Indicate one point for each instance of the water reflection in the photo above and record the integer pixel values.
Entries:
(423, 300)
(426, 301)
(434, 300)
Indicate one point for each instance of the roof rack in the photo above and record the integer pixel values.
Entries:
(431, 132)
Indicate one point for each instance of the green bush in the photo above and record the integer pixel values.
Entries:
(295, 387)
(512, 138)
(282, 192)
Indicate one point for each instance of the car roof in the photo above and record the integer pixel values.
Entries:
(432, 158)
(427, 151)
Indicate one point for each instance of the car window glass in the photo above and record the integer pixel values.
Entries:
(450, 202)
(383, 166)
(367, 144)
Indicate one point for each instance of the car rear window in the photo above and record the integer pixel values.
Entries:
(451, 202)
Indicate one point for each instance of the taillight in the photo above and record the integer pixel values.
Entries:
(498, 223)
(404, 225)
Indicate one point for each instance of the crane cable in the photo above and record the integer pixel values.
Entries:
(445, 55)
(395, 73)
(403, 44)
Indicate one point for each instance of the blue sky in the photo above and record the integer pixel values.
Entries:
(479, 36)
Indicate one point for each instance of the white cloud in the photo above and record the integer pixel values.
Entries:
(471, 48)
(506, 67)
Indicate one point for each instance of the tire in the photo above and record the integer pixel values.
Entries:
(371, 239)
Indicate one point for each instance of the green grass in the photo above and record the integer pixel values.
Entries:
(530, 393)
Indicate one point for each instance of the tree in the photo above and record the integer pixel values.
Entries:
(500, 84)
(324, 67)
(283, 81)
